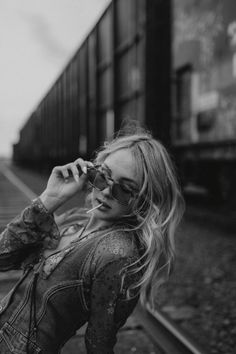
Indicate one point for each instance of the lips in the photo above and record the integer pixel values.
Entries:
(104, 203)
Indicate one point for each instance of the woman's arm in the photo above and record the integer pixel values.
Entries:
(34, 227)
(109, 309)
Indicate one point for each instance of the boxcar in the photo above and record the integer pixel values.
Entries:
(203, 91)
(122, 70)
(170, 65)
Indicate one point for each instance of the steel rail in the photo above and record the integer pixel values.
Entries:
(165, 334)
(18, 183)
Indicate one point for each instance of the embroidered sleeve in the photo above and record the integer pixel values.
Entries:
(109, 307)
(34, 227)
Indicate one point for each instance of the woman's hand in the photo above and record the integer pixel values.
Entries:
(64, 182)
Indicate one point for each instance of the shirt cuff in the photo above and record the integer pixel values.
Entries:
(38, 205)
(46, 223)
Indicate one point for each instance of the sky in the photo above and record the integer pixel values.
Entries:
(37, 39)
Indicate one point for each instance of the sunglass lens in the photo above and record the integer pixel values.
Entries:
(97, 179)
(100, 181)
(119, 194)
(91, 174)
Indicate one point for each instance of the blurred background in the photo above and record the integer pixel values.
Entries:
(73, 71)
(69, 77)
(36, 41)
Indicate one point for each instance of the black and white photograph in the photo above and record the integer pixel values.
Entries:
(118, 177)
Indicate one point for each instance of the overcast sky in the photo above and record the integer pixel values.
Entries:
(37, 39)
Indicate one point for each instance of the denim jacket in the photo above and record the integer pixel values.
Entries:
(58, 294)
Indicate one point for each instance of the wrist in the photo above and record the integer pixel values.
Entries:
(51, 203)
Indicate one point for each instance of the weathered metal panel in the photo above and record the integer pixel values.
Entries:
(74, 92)
(54, 117)
(125, 17)
(55, 112)
(126, 73)
(60, 119)
(105, 89)
(92, 119)
(158, 68)
(105, 38)
(63, 116)
(105, 72)
(105, 60)
(205, 39)
(67, 113)
(129, 60)
(83, 95)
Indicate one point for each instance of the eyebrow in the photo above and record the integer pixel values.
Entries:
(122, 178)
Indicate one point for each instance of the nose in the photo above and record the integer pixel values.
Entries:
(107, 191)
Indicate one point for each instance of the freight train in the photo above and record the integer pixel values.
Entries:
(171, 65)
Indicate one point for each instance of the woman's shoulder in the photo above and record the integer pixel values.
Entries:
(113, 252)
(117, 244)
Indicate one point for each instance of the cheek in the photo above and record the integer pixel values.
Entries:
(122, 210)
(94, 194)
(117, 209)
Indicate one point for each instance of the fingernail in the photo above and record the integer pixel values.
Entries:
(84, 169)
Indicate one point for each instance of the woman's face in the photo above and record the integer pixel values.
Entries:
(120, 167)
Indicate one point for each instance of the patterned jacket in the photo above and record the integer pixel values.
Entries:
(56, 295)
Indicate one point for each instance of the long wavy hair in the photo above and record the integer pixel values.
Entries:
(157, 210)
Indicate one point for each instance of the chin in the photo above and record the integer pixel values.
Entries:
(105, 215)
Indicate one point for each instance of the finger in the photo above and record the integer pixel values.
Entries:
(82, 164)
(90, 164)
(65, 173)
(75, 172)
(57, 170)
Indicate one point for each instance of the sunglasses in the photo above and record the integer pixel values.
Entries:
(100, 181)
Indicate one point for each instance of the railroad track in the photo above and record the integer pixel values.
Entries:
(14, 195)
(164, 333)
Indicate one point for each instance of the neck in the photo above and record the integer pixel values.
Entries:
(95, 224)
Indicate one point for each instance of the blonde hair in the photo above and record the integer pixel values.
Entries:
(158, 208)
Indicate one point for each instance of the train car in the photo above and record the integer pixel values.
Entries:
(203, 91)
(27, 151)
(121, 70)
(170, 65)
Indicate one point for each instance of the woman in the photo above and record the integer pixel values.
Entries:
(90, 265)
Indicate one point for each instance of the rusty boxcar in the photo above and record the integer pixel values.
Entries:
(203, 91)
(121, 70)
(169, 64)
